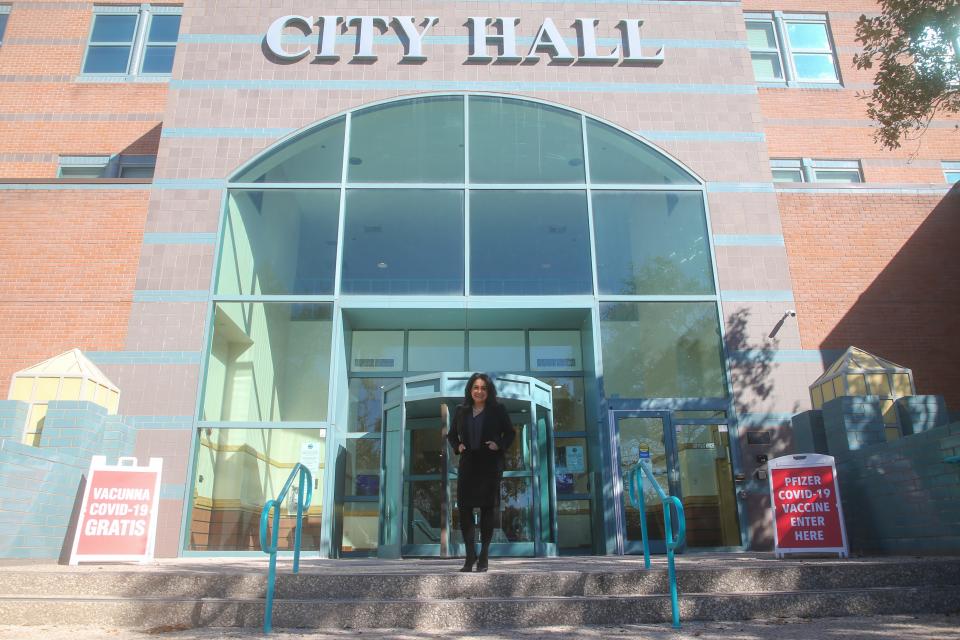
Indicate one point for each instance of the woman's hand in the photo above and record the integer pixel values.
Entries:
(461, 448)
(492, 445)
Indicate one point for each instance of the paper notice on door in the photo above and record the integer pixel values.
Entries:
(575, 460)
(310, 456)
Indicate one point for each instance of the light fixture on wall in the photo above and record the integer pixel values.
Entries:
(789, 313)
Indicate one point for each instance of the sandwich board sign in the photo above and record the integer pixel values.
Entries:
(118, 518)
(807, 513)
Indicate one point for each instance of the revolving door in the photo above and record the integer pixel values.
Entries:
(418, 510)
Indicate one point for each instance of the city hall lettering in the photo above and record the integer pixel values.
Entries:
(492, 39)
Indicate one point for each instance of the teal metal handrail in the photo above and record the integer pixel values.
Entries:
(635, 488)
(303, 503)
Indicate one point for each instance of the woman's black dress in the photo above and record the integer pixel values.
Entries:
(480, 468)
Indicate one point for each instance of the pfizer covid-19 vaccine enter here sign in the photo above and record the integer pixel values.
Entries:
(807, 513)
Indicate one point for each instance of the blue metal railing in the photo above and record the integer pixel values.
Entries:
(303, 503)
(635, 487)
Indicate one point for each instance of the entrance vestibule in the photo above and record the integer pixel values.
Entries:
(418, 512)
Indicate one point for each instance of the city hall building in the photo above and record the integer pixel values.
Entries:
(288, 232)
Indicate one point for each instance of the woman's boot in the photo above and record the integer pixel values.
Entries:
(484, 554)
(471, 558)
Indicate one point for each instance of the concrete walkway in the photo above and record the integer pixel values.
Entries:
(430, 566)
(873, 628)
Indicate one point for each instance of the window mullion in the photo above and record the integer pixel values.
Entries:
(786, 53)
(139, 42)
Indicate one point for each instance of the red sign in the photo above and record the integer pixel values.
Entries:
(806, 505)
(119, 514)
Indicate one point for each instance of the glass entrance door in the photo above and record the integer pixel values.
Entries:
(706, 480)
(419, 515)
(643, 435)
(691, 459)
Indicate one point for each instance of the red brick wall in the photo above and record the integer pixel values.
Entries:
(69, 262)
(880, 272)
(876, 270)
(68, 257)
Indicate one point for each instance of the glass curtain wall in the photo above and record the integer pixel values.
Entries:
(475, 196)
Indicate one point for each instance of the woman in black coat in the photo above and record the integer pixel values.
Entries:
(479, 433)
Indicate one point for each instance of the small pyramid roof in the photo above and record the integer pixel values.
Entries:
(69, 364)
(856, 360)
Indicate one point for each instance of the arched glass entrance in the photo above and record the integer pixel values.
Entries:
(449, 232)
(418, 511)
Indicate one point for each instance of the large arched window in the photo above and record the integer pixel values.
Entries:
(457, 194)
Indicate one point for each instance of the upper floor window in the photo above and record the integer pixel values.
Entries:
(808, 170)
(132, 40)
(83, 167)
(951, 171)
(940, 59)
(119, 166)
(4, 15)
(791, 48)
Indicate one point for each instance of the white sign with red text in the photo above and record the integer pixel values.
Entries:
(807, 514)
(118, 519)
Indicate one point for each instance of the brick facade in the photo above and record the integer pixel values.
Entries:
(868, 265)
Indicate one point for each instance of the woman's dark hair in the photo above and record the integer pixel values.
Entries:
(491, 389)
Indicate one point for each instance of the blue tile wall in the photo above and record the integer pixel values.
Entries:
(39, 485)
(13, 418)
(898, 497)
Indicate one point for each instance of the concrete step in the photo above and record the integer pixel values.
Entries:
(550, 582)
(449, 614)
(423, 595)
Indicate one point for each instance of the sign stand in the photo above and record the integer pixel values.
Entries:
(807, 512)
(118, 518)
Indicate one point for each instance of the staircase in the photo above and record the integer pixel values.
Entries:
(431, 595)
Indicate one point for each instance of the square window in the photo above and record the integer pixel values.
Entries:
(268, 362)
(118, 35)
(838, 175)
(403, 241)
(764, 50)
(547, 251)
(792, 48)
(84, 167)
(4, 16)
(787, 175)
(787, 170)
(652, 243)
(137, 166)
(136, 171)
(808, 170)
(951, 172)
(837, 171)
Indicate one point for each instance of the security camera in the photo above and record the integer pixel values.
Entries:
(790, 312)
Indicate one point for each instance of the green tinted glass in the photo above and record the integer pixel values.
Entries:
(314, 156)
(417, 140)
(236, 471)
(403, 241)
(617, 158)
(279, 241)
(547, 249)
(268, 362)
(661, 350)
(651, 243)
(513, 141)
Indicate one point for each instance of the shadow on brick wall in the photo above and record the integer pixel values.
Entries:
(910, 312)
